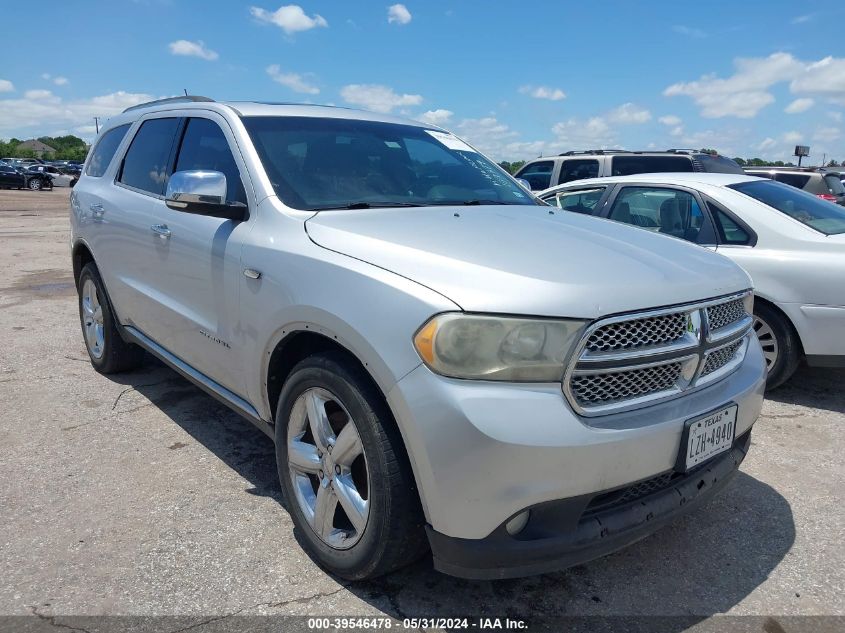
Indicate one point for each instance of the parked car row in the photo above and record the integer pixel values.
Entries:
(17, 178)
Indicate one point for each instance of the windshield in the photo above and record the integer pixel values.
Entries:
(834, 184)
(821, 215)
(326, 163)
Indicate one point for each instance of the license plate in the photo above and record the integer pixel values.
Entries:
(709, 435)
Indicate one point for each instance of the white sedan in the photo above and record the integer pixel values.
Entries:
(790, 242)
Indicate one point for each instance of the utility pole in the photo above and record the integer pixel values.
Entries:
(97, 124)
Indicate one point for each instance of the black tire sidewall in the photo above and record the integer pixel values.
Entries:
(789, 353)
(359, 560)
(89, 271)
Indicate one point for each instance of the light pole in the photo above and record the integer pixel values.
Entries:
(97, 124)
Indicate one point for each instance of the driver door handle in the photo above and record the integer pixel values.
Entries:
(161, 230)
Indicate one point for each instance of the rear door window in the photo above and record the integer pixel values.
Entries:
(105, 150)
(578, 201)
(624, 165)
(795, 180)
(730, 232)
(577, 169)
(660, 210)
(539, 174)
(147, 162)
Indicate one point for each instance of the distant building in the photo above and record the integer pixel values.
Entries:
(38, 147)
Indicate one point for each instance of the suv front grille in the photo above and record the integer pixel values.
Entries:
(638, 332)
(725, 314)
(719, 358)
(593, 389)
(631, 361)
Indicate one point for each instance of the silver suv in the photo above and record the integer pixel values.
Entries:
(545, 172)
(418, 334)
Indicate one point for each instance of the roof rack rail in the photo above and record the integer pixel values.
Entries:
(596, 151)
(683, 150)
(182, 99)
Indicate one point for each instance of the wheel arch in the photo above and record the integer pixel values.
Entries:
(774, 307)
(80, 256)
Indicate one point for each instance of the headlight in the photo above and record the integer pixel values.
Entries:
(497, 348)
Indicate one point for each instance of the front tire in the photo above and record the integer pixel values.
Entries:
(108, 352)
(35, 184)
(343, 471)
(780, 344)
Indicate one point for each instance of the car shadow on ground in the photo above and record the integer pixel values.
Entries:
(819, 387)
(702, 564)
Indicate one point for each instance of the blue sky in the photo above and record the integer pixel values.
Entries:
(515, 79)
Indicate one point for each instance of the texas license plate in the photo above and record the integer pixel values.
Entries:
(709, 435)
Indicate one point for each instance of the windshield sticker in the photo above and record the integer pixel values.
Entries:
(450, 141)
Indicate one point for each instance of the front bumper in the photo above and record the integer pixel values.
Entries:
(483, 452)
(573, 531)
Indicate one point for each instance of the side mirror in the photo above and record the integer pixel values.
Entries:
(204, 193)
(524, 183)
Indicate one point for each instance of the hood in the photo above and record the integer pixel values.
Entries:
(528, 259)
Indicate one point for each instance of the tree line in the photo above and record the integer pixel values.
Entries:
(67, 147)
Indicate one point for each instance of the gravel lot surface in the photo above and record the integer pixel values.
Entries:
(139, 494)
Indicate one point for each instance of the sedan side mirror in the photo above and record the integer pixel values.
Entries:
(524, 183)
(204, 193)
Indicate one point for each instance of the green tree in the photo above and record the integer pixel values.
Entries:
(739, 161)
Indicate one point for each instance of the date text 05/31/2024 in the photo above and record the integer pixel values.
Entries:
(480, 624)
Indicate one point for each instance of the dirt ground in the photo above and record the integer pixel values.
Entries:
(139, 494)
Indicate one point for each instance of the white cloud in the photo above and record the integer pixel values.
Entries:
(670, 120)
(628, 113)
(766, 143)
(497, 140)
(803, 19)
(377, 98)
(192, 49)
(398, 14)
(799, 105)
(27, 116)
(294, 81)
(543, 92)
(689, 31)
(746, 92)
(827, 134)
(6, 86)
(836, 116)
(290, 18)
(577, 134)
(61, 81)
(824, 78)
(793, 137)
(436, 117)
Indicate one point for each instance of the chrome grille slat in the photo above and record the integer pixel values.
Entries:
(654, 330)
(630, 361)
(717, 359)
(724, 314)
(598, 388)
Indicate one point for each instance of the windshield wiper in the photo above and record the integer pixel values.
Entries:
(366, 205)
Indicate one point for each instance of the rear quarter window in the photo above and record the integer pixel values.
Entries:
(105, 150)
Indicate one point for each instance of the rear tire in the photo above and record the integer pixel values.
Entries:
(781, 347)
(385, 529)
(35, 184)
(108, 352)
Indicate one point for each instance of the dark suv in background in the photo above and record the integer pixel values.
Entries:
(542, 173)
(825, 185)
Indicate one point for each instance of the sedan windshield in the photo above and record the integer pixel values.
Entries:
(328, 163)
(821, 215)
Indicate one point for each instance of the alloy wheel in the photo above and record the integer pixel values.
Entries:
(328, 468)
(35, 184)
(92, 319)
(768, 341)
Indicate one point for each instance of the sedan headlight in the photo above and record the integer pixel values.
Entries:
(497, 348)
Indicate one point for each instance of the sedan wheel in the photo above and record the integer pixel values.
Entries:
(35, 184)
(328, 468)
(768, 341)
